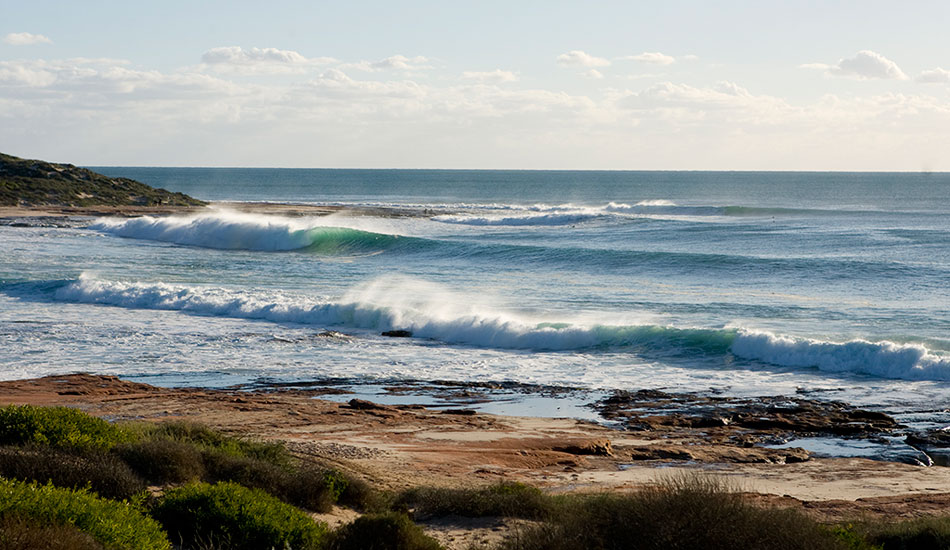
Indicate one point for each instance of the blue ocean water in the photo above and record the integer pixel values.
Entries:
(828, 284)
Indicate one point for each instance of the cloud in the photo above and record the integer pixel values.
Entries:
(654, 58)
(490, 77)
(112, 111)
(259, 60)
(594, 73)
(934, 76)
(722, 95)
(237, 55)
(393, 62)
(864, 65)
(25, 39)
(578, 58)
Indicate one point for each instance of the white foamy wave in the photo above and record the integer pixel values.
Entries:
(620, 206)
(425, 309)
(555, 218)
(218, 229)
(433, 312)
(882, 359)
(228, 230)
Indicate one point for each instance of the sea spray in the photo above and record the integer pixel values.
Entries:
(228, 230)
(437, 313)
(881, 359)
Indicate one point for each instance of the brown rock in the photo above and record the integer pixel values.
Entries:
(596, 447)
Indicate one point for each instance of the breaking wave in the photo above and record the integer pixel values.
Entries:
(566, 214)
(430, 311)
(236, 231)
(553, 218)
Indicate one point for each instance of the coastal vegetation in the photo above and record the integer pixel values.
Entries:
(30, 183)
(72, 479)
(229, 515)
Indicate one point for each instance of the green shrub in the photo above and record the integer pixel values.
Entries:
(912, 534)
(249, 518)
(17, 533)
(176, 452)
(163, 460)
(114, 524)
(506, 499)
(683, 513)
(206, 438)
(359, 495)
(306, 487)
(103, 472)
(389, 531)
(57, 426)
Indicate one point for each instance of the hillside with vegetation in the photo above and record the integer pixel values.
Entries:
(31, 183)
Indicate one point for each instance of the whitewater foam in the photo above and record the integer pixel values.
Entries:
(881, 359)
(432, 312)
(228, 230)
(554, 218)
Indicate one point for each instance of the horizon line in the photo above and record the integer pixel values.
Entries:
(751, 171)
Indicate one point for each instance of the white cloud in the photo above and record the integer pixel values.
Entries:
(722, 95)
(594, 73)
(864, 65)
(110, 111)
(393, 62)
(654, 58)
(235, 59)
(934, 76)
(578, 58)
(490, 77)
(236, 55)
(25, 39)
(400, 61)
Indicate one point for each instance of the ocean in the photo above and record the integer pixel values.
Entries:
(829, 285)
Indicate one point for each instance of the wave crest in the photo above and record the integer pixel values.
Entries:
(237, 231)
(430, 311)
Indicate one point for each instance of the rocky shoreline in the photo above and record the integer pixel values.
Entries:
(453, 444)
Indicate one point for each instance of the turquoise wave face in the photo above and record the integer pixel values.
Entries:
(234, 231)
(344, 241)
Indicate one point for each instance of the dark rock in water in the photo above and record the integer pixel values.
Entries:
(334, 334)
(650, 409)
(363, 405)
(398, 333)
(460, 412)
(934, 439)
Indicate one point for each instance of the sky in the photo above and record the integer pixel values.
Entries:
(673, 85)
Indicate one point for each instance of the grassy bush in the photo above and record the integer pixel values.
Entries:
(116, 525)
(914, 534)
(205, 438)
(103, 472)
(506, 499)
(176, 452)
(390, 531)
(249, 519)
(686, 513)
(17, 533)
(58, 427)
(358, 494)
(163, 460)
(306, 487)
